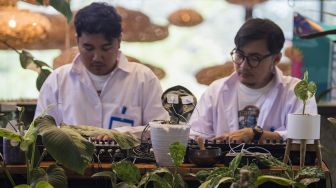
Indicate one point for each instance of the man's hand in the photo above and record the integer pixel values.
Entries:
(241, 135)
(103, 137)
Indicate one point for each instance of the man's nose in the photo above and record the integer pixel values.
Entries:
(245, 63)
(97, 56)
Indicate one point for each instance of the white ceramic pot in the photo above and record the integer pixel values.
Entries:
(162, 135)
(303, 126)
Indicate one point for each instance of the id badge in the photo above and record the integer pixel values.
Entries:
(116, 122)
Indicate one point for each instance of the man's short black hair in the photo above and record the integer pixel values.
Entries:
(257, 29)
(98, 18)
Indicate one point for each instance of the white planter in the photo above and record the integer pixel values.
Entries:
(303, 126)
(162, 135)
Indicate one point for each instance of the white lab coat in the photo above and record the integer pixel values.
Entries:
(132, 92)
(217, 109)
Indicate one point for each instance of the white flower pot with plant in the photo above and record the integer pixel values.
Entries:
(304, 127)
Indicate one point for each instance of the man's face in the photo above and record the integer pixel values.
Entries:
(97, 53)
(261, 73)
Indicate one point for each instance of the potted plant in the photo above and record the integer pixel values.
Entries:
(126, 174)
(301, 178)
(304, 126)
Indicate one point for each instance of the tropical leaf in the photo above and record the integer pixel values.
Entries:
(127, 172)
(235, 163)
(26, 59)
(42, 76)
(301, 90)
(55, 175)
(308, 181)
(8, 133)
(278, 180)
(43, 184)
(76, 153)
(205, 184)
(63, 7)
(41, 63)
(154, 177)
(107, 174)
(23, 186)
(125, 141)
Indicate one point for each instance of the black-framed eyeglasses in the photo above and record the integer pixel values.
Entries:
(252, 60)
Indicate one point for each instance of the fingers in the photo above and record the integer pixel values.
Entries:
(103, 137)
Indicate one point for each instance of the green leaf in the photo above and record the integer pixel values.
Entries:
(107, 174)
(125, 185)
(308, 181)
(301, 90)
(275, 179)
(8, 133)
(76, 152)
(125, 141)
(41, 63)
(178, 181)
(26, 58)
(23, 186)
(63, 7)
(43, 184)
(235, 163)
(205, 184)
(127, 172)
(218, 181)
(312, 88)
(155, 178)
(43, 75)
(177, 152)
(55, 175)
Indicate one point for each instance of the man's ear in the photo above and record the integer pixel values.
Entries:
(277, 58)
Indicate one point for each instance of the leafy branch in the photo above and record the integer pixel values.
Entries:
(304, 90)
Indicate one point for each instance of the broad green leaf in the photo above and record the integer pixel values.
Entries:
(43, 184)
(29, 138)
(235, 163)
(42, 76)
(107, 174)
(26, 58)
(63, 7)
(76, 152)
(177, 152)
(41, 63)
(274, 179)
(205, 184)
(178, 181)
(312, 88)
(155, 178)
(23, 186)
(308, 181)
(127, 172)
(8, 133)
(125, 141)
(301, 89)
(216, 182)
(56, 176)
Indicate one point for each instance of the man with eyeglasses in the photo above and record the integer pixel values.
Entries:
(253, 102)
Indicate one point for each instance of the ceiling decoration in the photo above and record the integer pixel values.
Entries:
(209, 74)
(68, 55)
(185, 18)
(138, 28)
(20, 28)
(246, 3)
(8, 3)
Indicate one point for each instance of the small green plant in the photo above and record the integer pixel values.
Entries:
(302, 178)
(66, 146)
(304, 90)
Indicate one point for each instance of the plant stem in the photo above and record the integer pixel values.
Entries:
(304, 107)
(9, 46)
(3, 166)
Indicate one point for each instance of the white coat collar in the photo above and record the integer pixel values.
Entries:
(123, 64)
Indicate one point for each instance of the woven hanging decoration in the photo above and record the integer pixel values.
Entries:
(185, 18)
(20, 28)
(68, 55)
(138, 28)
(246, 3)
(8, 3)
(207, 75)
